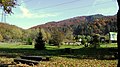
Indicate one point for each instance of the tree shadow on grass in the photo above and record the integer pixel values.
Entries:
(92, 53)
(81, 53)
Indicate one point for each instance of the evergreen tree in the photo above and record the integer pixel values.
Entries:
(39, 42)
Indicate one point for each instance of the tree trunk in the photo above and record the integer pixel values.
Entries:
(118, 36)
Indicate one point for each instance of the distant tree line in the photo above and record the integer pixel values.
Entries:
(95, 25)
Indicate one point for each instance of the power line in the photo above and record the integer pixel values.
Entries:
(80, 7)
(25, 1)
(57, 4)
(67, 8)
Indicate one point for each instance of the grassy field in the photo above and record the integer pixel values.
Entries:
(78, 56)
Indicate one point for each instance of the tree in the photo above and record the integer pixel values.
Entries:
(39, 42)
(1, 37)
(56, 38)
(69, 35)
(29, 41)
(7, 5)
(88, 38)
(96, 40)
(84, 41)
(46, 35)
(76, 38)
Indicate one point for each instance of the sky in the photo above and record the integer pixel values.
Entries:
(30, 13)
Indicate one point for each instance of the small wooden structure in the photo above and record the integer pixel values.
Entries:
(31, 59)
(7, 65)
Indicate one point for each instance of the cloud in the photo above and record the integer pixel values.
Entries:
(26, 13)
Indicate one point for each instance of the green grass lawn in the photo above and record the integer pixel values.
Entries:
(78, 56)
(108, 45)
(14, 45)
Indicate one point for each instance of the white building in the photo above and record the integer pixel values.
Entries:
(113, 36)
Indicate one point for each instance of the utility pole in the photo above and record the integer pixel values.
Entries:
(3, 18)
(118, 36)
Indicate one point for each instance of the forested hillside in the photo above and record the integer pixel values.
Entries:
(12, 33)
(67, 29)
(84, 24)
(9, 32)
(81, 25)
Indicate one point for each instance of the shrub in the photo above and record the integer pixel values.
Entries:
(84, 41)
(29, 41)
(88, 38)
(96, 40)
(51, 42)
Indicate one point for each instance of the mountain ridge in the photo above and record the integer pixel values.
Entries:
(70, 21)
(68, 28)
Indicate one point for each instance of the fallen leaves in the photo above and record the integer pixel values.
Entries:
(66, 62)
(70, 62)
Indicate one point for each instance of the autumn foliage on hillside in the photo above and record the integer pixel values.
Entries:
(83, 25)
(9, 32)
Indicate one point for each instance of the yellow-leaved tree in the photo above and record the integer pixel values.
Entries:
(7, 5)
(1, 37)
